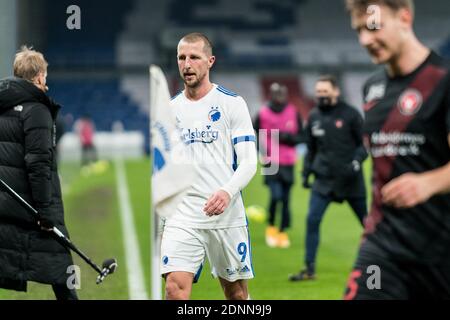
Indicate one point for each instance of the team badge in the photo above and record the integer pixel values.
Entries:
(339, 123)
(410, 102)
(214, 115)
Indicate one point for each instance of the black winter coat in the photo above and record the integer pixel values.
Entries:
(28, 165)
(335, 139)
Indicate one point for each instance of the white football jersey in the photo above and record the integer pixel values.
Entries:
(210, 128)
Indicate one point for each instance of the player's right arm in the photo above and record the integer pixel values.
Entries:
(412, 189)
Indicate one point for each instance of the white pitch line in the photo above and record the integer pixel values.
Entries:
(136, 287)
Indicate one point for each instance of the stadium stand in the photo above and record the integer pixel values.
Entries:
(245, 33)
(245, 84)
(84, 52)
(97, 36)
(445, 48)
(102, 100)
(256, 41)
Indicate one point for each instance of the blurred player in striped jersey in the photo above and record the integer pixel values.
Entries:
(407, 129)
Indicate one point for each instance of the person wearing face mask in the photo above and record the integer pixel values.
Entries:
(280, 115)
(335, 156)
(28, 252)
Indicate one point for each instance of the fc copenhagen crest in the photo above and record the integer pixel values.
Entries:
(214, 115)
(410, 102)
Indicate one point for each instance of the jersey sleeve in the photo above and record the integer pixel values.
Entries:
(241, 123)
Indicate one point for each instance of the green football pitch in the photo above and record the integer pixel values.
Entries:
(93, 219)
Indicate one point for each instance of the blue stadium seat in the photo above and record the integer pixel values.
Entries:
(94, 44)
(102, 100)
(445, 48)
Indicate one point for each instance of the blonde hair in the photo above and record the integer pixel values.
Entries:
(197, 36)
(29, 63)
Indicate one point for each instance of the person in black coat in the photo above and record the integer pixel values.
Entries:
(335, 156)
(28, 252)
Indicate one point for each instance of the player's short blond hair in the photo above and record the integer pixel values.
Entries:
(359, 6)
(29, 63)
(197, 36)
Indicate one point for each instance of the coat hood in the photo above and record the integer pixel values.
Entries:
(15, 91)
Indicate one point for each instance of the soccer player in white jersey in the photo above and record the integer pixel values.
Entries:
(210, 221)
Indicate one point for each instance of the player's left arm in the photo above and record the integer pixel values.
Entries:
(243, 138)
(412, 189)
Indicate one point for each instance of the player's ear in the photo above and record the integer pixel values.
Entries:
(406, 16)
(337, 92)
(38, 79)
(211, 61)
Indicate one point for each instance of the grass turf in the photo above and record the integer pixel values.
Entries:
(93, 220)
(340, 236)
(92, 217)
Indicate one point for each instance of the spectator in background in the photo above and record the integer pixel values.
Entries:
(86, 130)
(335, 155)
(280, 115)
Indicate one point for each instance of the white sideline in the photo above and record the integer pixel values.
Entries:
(136, 287)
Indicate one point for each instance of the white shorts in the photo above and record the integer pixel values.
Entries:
(228, 251)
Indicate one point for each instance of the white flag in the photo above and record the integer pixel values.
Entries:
(172, 174)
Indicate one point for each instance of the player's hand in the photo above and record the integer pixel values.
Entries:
(406, 191)
(217, 203)
(352, 169)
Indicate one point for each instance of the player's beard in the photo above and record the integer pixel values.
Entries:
(195, 83)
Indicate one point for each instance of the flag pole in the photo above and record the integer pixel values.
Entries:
(155, 242)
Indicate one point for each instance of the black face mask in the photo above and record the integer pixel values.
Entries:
(324, 103)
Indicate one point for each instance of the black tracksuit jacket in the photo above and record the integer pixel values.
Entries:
(334, 138)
